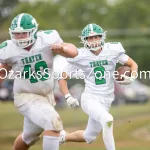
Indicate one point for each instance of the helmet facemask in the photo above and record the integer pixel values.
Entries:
(23, 23)
(93, 30)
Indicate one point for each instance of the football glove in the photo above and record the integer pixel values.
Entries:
(72, 102)
(127, 80)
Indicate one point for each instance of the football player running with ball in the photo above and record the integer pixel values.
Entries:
(30, 53)
(95, 59)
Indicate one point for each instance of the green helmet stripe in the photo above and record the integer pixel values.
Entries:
(19, 19)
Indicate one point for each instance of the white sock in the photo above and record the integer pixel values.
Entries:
(108, 137)
(50, 143)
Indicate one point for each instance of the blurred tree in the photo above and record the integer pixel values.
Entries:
(132, 20)
(77, 13)
(129, 14)
(6, 7)
(65, 14)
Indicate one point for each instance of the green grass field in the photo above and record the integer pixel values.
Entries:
(131, 127)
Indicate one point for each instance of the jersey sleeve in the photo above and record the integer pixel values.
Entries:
(118, 52)
(72, 69)
(122, 57)
(4, 55)
(61, 65)
(77, 58)
(74, 72)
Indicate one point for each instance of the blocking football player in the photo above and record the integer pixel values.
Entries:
(97, 60)
(29, 54)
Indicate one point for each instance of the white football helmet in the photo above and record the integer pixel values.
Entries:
(93, 30)
(21, 24)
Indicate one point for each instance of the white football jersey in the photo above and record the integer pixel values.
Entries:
(98, 70)
(32, 69)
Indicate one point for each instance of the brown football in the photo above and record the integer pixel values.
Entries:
(122, 70)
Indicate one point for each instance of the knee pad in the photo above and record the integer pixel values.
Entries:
(89, 138)
(30, 138)
(108, 120)
(57, 124)
(52, 123)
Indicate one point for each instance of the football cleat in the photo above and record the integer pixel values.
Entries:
(62, 136)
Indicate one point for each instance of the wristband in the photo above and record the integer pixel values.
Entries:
(67, 96)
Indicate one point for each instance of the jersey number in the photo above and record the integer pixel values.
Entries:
(99, 75)
(37, 67)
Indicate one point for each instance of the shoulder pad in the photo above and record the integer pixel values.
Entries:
(81, 51)
(47, 33)
(50, 36)
(116, 46)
